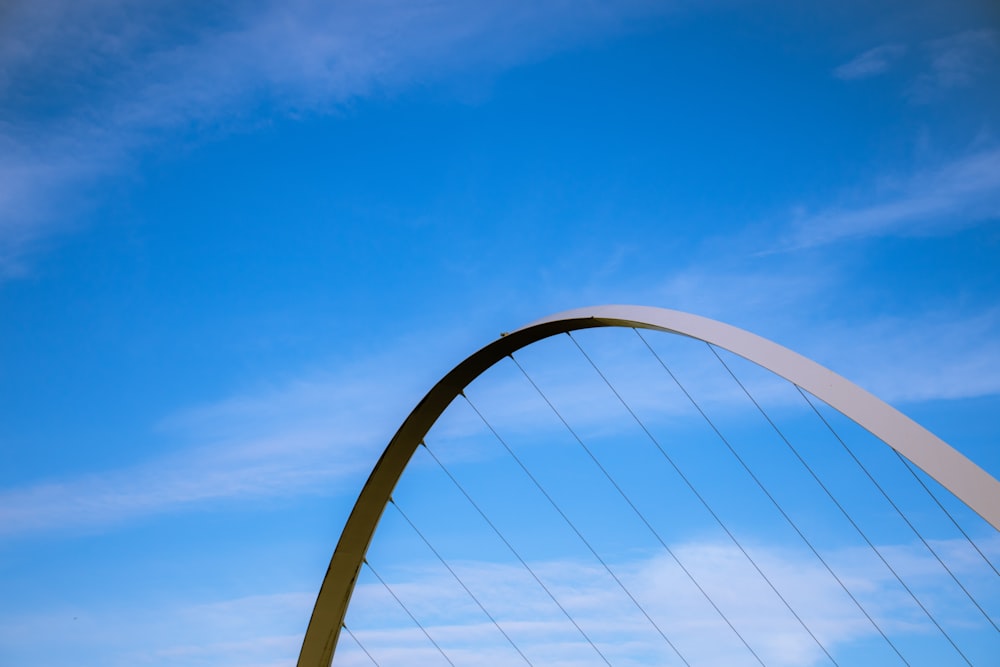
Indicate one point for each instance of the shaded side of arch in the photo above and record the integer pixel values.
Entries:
(967, 481)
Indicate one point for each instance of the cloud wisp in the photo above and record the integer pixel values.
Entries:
(136, 76)
(253, 631)
(266, 629)
(898, 357)
(295, 439)
(871, 63)
(298, 459)
(955, 195)
(904, 361)
(955, 61)
(309, 435)
(950, 62)
(618, 627)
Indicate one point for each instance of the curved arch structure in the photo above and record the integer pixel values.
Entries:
(958, 474)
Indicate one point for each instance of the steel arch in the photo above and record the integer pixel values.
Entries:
(971, 484)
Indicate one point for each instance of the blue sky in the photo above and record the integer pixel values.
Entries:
(238, 241)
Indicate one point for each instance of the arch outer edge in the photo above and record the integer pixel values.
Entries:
(971, 484)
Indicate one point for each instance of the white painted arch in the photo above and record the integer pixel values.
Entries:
(970, 483)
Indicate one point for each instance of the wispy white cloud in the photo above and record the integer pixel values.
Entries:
(745, 296)
(955, 61)
(324, 433)
(304, 437)
(311, 435)
(898, 357)
(259, 467)
(265, 630)
(87, 85)
(957, 194)
(871, 63)
(33, 176)
(903, 360)
(254, 631)
(603, 611)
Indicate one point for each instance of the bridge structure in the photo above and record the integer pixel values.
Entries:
(742, 594)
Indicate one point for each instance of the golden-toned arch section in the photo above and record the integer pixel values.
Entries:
(950, 468)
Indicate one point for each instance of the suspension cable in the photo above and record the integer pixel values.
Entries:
(575, 530)
(909, 466)
(358, 642)
(896, 507)
(409, 613)
(773, 500)
(700, 498)
(461, 583)
(840, 507)
(638, 512)
(516, 554)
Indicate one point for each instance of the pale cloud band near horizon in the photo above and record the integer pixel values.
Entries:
(313, 434)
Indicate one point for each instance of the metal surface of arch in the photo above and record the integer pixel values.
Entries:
(975, 487)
